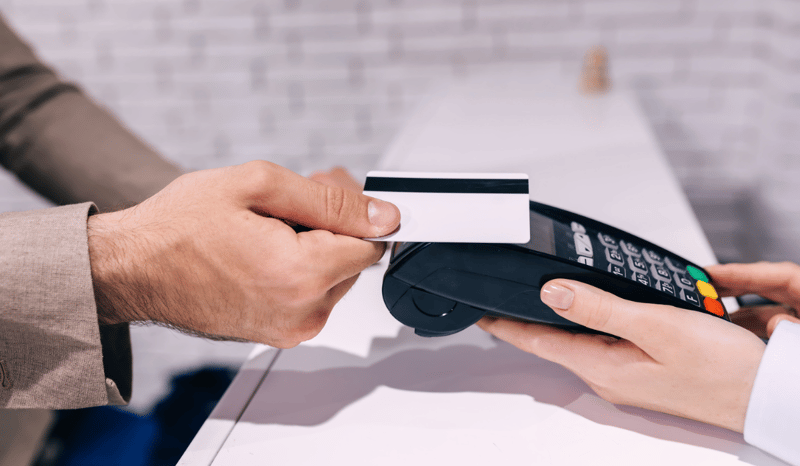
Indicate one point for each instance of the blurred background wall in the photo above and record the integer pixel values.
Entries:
(313, 83)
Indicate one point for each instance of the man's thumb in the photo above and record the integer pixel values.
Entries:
(289, 196)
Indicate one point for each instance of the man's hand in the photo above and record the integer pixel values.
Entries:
(667, 359)
(211, 253)
(779, 282)
(337, 176)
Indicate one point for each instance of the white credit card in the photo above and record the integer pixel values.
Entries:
(455, 207)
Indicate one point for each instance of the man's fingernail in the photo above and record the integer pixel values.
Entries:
(557, 296)
(382, 215)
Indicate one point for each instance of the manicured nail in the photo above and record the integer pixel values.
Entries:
(383, 215)
(556, 296)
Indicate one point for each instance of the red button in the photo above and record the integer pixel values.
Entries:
(713, 306)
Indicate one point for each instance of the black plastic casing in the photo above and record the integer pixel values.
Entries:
(442, 288)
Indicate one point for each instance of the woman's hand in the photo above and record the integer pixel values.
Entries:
(779, 282)
(667, 359)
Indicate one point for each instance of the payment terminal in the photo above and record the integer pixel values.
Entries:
(442, 288)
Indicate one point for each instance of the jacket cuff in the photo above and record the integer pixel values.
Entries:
(773, 413)
(53, 352)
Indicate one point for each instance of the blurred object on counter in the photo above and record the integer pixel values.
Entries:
(594, 76)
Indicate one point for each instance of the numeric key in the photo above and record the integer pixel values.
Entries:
(637, 265)
(652, 257)
(616, 270)
(641, 278)
(683, 282)
(660, 273)
(614, 257)
(630, 249)
(607, 240)
(674, 265)
(666, 287)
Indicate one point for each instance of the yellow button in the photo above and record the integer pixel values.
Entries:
(706, 289)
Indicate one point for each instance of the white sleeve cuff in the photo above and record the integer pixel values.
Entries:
(772, 422)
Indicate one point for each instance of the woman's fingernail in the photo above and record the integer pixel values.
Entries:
(556, 296)
(383, 215)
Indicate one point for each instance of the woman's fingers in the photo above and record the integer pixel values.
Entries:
(779, 282)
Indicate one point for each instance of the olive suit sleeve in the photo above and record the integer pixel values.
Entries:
(53, 352)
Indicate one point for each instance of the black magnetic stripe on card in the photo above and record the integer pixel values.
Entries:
(446, 185)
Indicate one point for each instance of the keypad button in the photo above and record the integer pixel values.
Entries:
(660, 273)
(616, 270)
(607, 240)
(637, 265)
(697, 274)
(577, 227)
(707, 290)
(614, 257)
(630, 249)
(690, 297)
(652, 257)
(666, 288)
(713, 306)
(583, 244)
(683, 282)
(641, 278)
(674, 265)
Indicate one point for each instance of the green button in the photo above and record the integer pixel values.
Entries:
(696, 273)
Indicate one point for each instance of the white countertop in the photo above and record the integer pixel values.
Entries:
(369, 391)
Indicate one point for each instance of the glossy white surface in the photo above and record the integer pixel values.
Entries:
(215, 430)
(367, 391)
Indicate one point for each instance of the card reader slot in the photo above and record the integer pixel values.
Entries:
(473, 289)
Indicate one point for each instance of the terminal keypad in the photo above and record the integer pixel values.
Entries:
(651, 268)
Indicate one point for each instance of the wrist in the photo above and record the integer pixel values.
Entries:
(113, 270)
(732, 415)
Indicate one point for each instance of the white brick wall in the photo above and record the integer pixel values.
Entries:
(312, 83)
